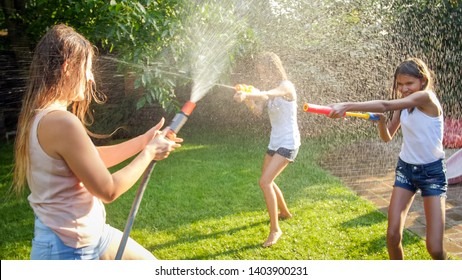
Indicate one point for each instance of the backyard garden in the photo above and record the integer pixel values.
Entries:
(204, 202)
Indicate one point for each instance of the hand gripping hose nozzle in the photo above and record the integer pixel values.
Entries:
(177, 123)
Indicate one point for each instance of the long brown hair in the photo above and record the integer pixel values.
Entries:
(272, 65)
(45, 86)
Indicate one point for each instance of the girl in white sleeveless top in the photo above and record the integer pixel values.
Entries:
(67, 174)
(421, 160)
(281, 100)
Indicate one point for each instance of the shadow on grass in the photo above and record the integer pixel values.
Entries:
(214, 235)
(379, 244)
(206, 181)
(366, 220)
(371, 247)
(225, 253)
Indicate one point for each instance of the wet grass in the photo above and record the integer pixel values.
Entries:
(204, 203)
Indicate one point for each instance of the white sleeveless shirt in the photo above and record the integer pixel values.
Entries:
(284, 127)
(422, 136)
(59, 199)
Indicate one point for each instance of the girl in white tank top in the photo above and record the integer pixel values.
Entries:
(281, 99)
(420, 165)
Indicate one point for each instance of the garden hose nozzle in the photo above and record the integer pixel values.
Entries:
(181, 117)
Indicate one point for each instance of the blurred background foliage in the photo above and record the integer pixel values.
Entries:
(334, 50)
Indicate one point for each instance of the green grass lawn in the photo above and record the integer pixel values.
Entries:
(204, 203)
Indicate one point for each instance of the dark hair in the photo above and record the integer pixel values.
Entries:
(414, 67)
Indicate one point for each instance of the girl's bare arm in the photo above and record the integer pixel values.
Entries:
(63, 136)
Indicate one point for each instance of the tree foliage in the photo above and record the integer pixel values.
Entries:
(149, 39)
(432, 30)
(330, 42)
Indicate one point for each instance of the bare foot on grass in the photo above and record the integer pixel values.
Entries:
(285, 216)
(272, 238)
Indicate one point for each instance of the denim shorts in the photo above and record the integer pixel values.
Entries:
(290, 155)
(429, 178)
(46, 245)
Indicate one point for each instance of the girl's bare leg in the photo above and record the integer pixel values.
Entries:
(400, 202)
(272, 167)
(435, 211)
(284, 210)
(132, 250)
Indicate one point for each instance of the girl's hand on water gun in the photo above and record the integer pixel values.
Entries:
(239, 96)
(244, 91)
(253, 107)
(338, 110)
(244, 88)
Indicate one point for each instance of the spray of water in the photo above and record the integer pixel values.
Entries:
(212, 41)
(158, 68)
(338, 51)
(333, 51)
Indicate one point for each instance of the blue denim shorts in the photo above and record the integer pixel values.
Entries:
(46, 245)
(429, 178)
(290, 155)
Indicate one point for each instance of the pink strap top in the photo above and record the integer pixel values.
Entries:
(58, 198)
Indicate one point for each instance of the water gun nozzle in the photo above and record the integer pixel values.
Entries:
(244, 88)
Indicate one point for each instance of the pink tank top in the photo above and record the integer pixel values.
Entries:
(59, 199)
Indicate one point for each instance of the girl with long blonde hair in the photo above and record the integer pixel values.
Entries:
(280, 97)
(66, 173)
